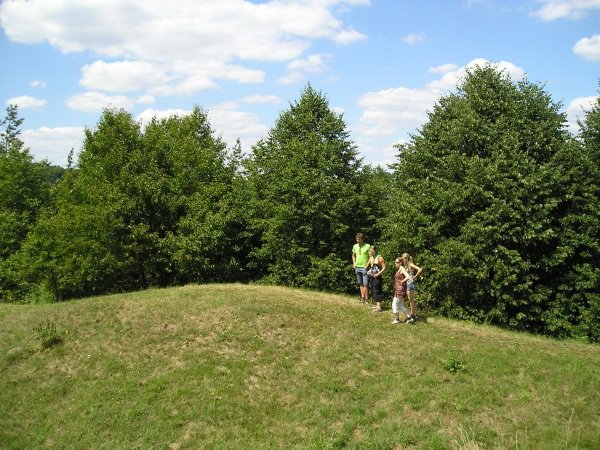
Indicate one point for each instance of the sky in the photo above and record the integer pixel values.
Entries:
(383, 64)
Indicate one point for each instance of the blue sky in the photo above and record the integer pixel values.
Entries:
(382, 63)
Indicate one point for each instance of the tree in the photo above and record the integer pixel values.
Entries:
(24, 192)
(11, 124)
(577, 250)
(122, 218)
(305, 185)
(474, 198)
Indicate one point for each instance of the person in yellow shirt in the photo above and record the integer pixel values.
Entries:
(360, 262)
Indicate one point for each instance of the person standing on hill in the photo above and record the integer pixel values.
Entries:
(400, 279)
(360, 262)
(414, 272)
(376, 269)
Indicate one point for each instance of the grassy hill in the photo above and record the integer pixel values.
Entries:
(233, 366)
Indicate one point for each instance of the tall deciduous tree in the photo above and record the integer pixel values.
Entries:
(24, 191)
(474, 198)
(576, 307)
(11, 124)
(122, 218)
(305, 184)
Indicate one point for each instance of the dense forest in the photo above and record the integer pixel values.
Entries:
(496, 199)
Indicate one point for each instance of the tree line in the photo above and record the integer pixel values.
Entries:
(494, 196)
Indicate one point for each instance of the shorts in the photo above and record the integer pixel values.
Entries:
(361, 276)
(398, 306)
(410, 286)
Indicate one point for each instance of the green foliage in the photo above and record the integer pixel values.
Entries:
(128, 216)
(9, 138)
(307, 201)
(454, 364)
(24, 192)
(480, 194)
(47, 335)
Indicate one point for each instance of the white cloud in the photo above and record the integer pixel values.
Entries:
(391, 115)
(146, 116)
(123, 76)
(349, 36)
(229, 123)
(412, 39)
(145, 100)
(444, 68)
(53, 144)
(576, 110)
(96, 102)
(38, 84)
(300, 68)
(589, 48)
(565, 9)
(237, 124)
(27, 102)
(387, 111)
(177, 39)
(256, 99)
(450, 79)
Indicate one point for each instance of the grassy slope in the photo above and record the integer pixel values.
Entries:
(232, 366)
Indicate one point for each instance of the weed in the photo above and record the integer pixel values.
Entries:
(454, 364)
(47, 335)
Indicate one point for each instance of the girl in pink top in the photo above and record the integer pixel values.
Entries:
(400, 279)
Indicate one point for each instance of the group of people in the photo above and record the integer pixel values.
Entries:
(369, 265)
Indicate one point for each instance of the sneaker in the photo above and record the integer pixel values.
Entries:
(410, 320)
(395, 321)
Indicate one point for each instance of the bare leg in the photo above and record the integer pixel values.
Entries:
(413, 306)
(364, 292)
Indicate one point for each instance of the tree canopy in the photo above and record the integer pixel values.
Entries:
(477, 195)
(493, 195)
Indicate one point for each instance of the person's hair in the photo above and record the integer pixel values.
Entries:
(360, 235)
(374, 247)
(407, 260)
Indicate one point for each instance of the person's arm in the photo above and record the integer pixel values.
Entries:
(382, 263)
(406, 275)
(419, 270)
(353, 258)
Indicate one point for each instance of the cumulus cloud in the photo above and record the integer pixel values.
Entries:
(349, 36)
(451, 78)
(444, 68)
(53, 144)
(146, 116)
(97, 101)
(390, 115)
(123, 76)
(257, 99)
(166, 46)
(38, 84)
(230, 123)
(565, 9)
(233, 125)
(577, 109)
(589, 48)
(300, 68)
(27, 102)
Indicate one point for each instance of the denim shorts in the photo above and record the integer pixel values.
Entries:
(410, 285)
(361, 276)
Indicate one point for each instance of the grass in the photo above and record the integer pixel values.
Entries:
(233, 366)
